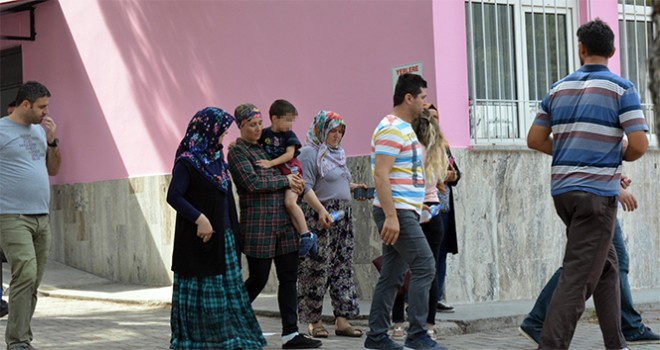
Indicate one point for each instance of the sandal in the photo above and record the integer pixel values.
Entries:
(349, 332)
(318, 332)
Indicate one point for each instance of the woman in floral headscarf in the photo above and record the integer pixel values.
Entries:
(210, 306)
(324, 167)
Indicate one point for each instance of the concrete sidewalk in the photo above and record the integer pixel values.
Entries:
(62, 281)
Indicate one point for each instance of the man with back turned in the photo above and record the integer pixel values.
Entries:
(587, 113)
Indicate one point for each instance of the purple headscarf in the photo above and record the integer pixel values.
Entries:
(200, 145)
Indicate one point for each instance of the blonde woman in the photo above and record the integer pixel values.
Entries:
(435, 169)
(449, 242)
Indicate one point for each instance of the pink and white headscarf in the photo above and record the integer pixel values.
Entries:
(327, 157)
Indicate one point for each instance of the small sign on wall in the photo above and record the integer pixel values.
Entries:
(415, 68)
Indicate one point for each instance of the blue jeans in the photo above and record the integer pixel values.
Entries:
(410, 250)
(631, 320)
(434, 232)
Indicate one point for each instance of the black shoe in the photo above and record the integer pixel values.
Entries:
(424, 342)
(442, 307)
(384, 344)
(530, 333)
(646, 337)
(301, 341)
(4, 308)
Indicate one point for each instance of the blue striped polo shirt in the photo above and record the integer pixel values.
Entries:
(588, 112)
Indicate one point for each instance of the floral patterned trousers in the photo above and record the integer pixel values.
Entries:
(331, 269)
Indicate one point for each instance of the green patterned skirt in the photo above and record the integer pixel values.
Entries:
(214, 312)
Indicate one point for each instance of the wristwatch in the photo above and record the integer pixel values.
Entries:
(55, 143)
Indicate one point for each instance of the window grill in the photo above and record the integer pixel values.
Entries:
(518, 48)
(635, 38)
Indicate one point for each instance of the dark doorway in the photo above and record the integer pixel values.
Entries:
(11, 76)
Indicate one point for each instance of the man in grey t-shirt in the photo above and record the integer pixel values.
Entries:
(29, 153)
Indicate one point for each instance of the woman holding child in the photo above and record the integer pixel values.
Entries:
(267, 235)
(327, 176)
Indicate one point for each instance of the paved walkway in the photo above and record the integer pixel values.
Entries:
(75, 313)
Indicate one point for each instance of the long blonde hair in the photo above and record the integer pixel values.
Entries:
(429, 134)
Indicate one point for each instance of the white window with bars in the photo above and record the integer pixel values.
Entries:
(516, 50)
(635, 38)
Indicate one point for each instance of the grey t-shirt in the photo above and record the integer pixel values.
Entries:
(334, 185)
(24, 186)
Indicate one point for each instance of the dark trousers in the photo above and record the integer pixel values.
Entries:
(434, 232)
(286, 267)
(589, 267)
(441, 266)
(631, 321)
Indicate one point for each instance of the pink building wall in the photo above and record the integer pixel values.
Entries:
(608, 11)
(127, 76)
(14, 24)
(451, 75)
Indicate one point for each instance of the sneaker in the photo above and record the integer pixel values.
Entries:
(398, 333)
(432, 334)
(444, 307)
(422, 343)
(314, 249)
(384, 344)
(302, 341)
(647, 337)
(530, 333)
(308, 244)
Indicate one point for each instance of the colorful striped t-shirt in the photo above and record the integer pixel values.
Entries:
(588, 112)
(396, 138)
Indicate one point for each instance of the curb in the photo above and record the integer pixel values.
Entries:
(446, 327)
(76, 295)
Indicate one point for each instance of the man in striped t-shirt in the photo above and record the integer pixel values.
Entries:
(587, 113)
(396, 163)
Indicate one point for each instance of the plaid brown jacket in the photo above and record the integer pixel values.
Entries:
(266, 229)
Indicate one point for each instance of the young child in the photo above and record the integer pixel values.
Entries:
(282, 145)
